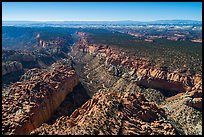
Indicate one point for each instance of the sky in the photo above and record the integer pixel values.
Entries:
(100, 11)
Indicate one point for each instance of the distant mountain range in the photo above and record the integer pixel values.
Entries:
(125, 22)
(177, 22)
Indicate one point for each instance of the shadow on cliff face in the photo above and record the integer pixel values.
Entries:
(73, 101)
(12, 77)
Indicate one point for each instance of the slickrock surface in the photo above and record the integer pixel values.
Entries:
(112, 113)
(31, 102)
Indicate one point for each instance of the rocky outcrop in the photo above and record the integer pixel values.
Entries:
(31, 102)
(45, 44)
(185, 111)
(19, 61)
(112, 113)
(141, 69)
(180, 93)
(10, 67)
(122, 88)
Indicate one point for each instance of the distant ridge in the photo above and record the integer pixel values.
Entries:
(104, 22)
(178, 21)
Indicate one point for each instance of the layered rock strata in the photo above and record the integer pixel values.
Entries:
(112, 113)
(142, 72)
(31, 102)
(182, 101)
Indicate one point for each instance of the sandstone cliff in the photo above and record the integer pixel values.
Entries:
(123, 89)
(33, 101)
(112, 113)
(141, 71)
(179, 93)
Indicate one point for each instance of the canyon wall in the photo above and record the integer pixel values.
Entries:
(140, 70)
(30, 103)
(179, 93)
(112, 113)
(118, 105)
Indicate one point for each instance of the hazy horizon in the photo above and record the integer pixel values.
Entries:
(98, 21)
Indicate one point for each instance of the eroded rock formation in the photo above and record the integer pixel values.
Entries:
(182, 108)
(112, 113)
(118, 106)
(180, 93)
(141, 71)
(31, 102)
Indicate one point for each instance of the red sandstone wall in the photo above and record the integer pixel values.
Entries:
(58, 83)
